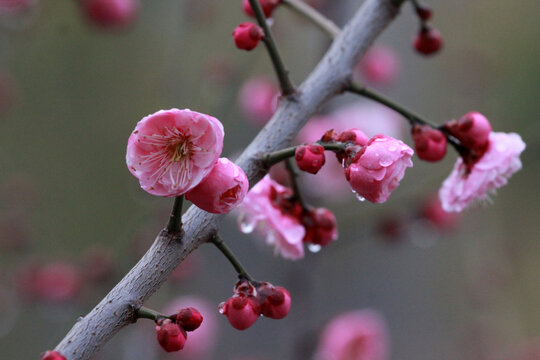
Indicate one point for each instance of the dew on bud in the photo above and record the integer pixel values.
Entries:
(314, 248)
(221, 308)
(359, 197)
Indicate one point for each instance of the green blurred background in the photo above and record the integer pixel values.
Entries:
(77, 91)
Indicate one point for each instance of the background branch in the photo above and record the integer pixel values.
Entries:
(329, 78)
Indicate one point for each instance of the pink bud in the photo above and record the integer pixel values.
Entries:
(258, 99)
(267, 6)
(189, 318)
(275, 300)
(429, 143)
(472, 130)
(170, 336)
(111, 13)
(355, 136)
(321, 226)
(377, 171)
(52, 355)
(428, 41)
(379, 66)
(222, 190)
(310, 158)
(247, 35)
(241, 311)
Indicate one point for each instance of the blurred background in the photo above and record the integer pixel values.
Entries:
(73, 220)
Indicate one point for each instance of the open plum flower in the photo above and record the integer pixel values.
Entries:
(260, 212)
(468, 183)
(355, 335)
(172, 151)
(378, 168)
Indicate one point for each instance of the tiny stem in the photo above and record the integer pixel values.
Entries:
(318, 19)
(146, 313)
(175, 220)
(279, 155)
(220, 244)
(408, 114)
(285, 83)
(291, 167)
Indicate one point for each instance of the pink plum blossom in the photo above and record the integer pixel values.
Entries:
(355, 335)
(378, 168)
(221, 190)
(468, 183)
(258, 99)
(260, 211)
(172, 151)
(379, 66)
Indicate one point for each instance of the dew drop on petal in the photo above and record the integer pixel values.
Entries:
(221, 308)
(360, 197)
(314, 248)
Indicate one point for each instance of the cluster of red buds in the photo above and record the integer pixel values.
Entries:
(172, 331)
(428, 40)
(247, 35)
(320, 223)
(253, 299)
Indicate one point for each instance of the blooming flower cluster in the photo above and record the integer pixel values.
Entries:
(488, 160)
(273, 211)
(173, 152)
(253, 299)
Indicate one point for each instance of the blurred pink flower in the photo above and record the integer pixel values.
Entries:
(172, 151)
(222, 190)
(379, 66)
(201, 342)
(490, 172)
(262, 211)
(433, 212)
(355, 335)
(258, 99)
(14, 6)
(379, 167)
(53, 282)
(111, 13)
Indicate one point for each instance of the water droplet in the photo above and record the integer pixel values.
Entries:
(385, 163)
(246, 225)
(221, 308)
(314, 248)
(360, 197)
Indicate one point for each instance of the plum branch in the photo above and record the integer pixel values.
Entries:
(330, 78)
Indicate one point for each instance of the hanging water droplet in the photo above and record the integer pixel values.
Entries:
(246, 225)
(221, 308)
(360, 197)
(314, 248)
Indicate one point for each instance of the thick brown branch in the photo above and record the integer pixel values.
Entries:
(329, 78)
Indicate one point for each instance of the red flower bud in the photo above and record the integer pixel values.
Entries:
(429, 143)
(241, 311)
(52, 355)
(189, 318)
(424, 12)
(170, 336)
(472, 130)
(247, 35)
(321, 226)
(275, 300)
(267, 6)
(310, 158)
(428, 41)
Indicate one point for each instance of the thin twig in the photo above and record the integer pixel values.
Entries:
(225, 250)
(175, 220)
(293, 172)
(311, 14)
(285, 83)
